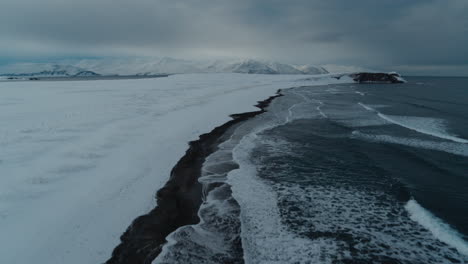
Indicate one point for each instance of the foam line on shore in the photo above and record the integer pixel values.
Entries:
(178, 202)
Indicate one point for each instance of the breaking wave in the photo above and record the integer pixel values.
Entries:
(436, 226)
(449, 147)
(259, 209)
(425, 125)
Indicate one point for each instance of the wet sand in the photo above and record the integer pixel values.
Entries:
(179, 200)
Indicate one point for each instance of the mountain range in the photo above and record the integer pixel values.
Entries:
(151, 66)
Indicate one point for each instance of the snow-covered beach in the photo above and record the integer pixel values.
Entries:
(235, 132)
(79, 160)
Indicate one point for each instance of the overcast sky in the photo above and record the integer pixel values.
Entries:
(411, 35)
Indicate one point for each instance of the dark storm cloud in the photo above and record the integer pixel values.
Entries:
(372, 33)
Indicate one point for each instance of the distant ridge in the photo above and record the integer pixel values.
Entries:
(152, 66)
(46, 70)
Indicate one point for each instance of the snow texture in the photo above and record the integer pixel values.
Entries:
(79, 160)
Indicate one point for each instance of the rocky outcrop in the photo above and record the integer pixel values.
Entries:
(86, 73)
(377, 77)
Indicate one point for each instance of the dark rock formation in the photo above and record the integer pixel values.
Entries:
(376, 77)
(86, 73)
(178, 201)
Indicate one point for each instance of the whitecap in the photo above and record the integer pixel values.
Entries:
(425, 125)
(449, 147)
(441, 230)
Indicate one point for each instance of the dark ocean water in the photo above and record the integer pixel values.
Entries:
(341, 174)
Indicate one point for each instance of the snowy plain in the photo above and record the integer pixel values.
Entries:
(79, 160)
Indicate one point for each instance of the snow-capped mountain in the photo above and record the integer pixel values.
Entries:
(139, 66)
(286, 68)
(44, 70)
(262, 67)
(152, 66)
(311, 69)
(143, 66)
(250, 66)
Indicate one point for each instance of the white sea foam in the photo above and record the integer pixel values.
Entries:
(213, 239)
(208, 241)
(265, 239)
(81, 155)
(449, 147)
(428, 126)
(367, 107)
(436, 226)
(320, 110)
(308, 101)
(425, 125)
(269, 237)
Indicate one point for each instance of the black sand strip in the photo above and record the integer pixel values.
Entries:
(178, 201)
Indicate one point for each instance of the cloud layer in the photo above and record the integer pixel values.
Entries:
(370, 33)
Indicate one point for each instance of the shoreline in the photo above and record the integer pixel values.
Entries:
(179, 200)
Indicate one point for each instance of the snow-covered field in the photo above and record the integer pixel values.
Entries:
(79, 160)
